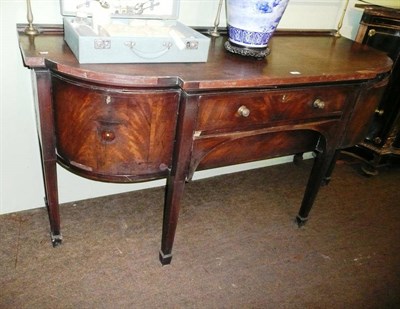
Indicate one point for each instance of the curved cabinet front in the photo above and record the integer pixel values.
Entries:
(114, 134)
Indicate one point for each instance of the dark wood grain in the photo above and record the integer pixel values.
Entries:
(221, 111)
(119, 135)
(316, 58)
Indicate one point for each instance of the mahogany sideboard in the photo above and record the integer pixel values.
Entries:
(136, 122)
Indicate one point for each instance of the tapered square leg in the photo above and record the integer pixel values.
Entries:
(45, 123)
(300, 221)
(322, 168)
(173, 197)
(165, 259)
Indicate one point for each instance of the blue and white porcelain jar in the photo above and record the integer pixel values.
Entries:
(251, 23)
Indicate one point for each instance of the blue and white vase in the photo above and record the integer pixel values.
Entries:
(251, 24)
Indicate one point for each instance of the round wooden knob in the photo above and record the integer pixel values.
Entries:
(107, 135)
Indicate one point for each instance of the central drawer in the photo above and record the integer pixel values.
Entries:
(235, 110)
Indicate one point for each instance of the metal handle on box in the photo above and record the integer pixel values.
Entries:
(149, 55)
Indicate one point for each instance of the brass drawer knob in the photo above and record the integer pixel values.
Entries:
(107, 135)
(243, 111)
(318, 103)
(371, 32)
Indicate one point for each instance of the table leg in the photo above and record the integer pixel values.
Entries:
(331, 167)
(50, 182)
(177, 177)
(173, 195)
(322, 168)
(45, 123)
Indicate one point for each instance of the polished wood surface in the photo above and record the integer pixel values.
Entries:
(294, 59)
(132, 122)
(114, 134)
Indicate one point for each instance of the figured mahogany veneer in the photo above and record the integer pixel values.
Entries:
(222, 111)
(227, 123)
(133, 122)
(108, 133)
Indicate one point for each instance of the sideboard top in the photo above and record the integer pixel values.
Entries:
(294, 59)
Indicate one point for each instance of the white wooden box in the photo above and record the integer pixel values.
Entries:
(130, 31)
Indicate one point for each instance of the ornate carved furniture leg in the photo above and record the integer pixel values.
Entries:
(45, 122)
(177, 178)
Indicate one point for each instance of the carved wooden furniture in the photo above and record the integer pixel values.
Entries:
(125, 123)
(380, 29)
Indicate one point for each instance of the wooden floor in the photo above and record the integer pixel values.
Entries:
(236, 247)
